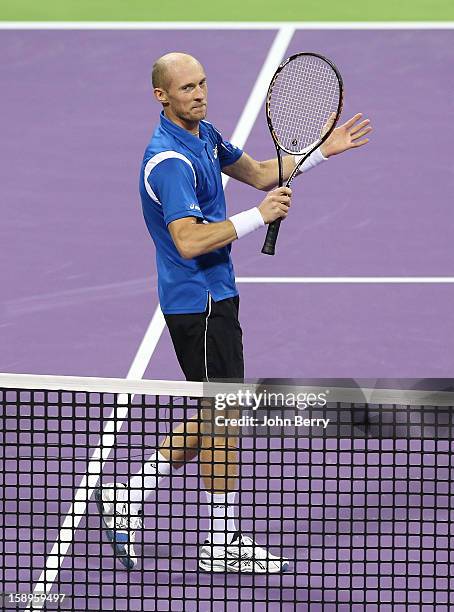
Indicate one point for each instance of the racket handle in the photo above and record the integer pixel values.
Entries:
(269, 246)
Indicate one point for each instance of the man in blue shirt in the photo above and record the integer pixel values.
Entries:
(185, 212)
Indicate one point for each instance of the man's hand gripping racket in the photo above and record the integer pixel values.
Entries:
(303, 105)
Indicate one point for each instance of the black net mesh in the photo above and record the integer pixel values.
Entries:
(360, 510)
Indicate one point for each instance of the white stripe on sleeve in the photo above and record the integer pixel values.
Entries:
(157, 159)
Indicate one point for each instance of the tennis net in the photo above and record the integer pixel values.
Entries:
(353, 485)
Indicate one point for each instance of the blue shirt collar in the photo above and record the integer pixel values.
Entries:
(195, 144)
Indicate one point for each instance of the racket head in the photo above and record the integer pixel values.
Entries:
(304, 91)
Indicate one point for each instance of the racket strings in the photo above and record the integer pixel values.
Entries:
(304, 94)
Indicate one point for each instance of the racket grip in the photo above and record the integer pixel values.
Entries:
(269, 246)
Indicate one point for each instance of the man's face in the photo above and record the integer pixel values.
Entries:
(185, 95)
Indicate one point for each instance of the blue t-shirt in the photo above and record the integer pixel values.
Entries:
(181, 177)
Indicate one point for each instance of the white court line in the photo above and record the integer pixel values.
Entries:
(226, 25)
(147, 347)
(357, 280)
(90, 479)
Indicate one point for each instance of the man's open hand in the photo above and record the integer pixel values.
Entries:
(350, 135)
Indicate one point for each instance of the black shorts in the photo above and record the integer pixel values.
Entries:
(209, 345)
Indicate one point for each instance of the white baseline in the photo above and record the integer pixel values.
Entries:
(226, 25)
(355, 280)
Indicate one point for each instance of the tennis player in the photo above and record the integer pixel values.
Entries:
(185, 212)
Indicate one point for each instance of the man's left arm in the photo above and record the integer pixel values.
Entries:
(264, 174)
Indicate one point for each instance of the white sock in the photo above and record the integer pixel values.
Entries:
(140, 485)
(222, 517)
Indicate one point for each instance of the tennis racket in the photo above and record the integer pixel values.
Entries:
(304, 92)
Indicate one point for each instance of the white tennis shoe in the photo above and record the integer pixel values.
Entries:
(242, 555)
(119, 525)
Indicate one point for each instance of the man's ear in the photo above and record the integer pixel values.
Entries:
(161, 95)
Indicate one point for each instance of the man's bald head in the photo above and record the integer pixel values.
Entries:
(180, 85)
(168, 65)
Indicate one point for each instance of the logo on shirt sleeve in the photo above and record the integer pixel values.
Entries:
(215, 151)
(194, 207)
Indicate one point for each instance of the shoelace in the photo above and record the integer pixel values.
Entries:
(246, 541)
(124, 522)
(245, 560)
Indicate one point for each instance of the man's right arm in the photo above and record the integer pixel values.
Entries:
(193, 239)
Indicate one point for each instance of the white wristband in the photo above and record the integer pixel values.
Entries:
(247, 221)
(313, 160)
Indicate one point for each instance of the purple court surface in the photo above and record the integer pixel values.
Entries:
(78, 274)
